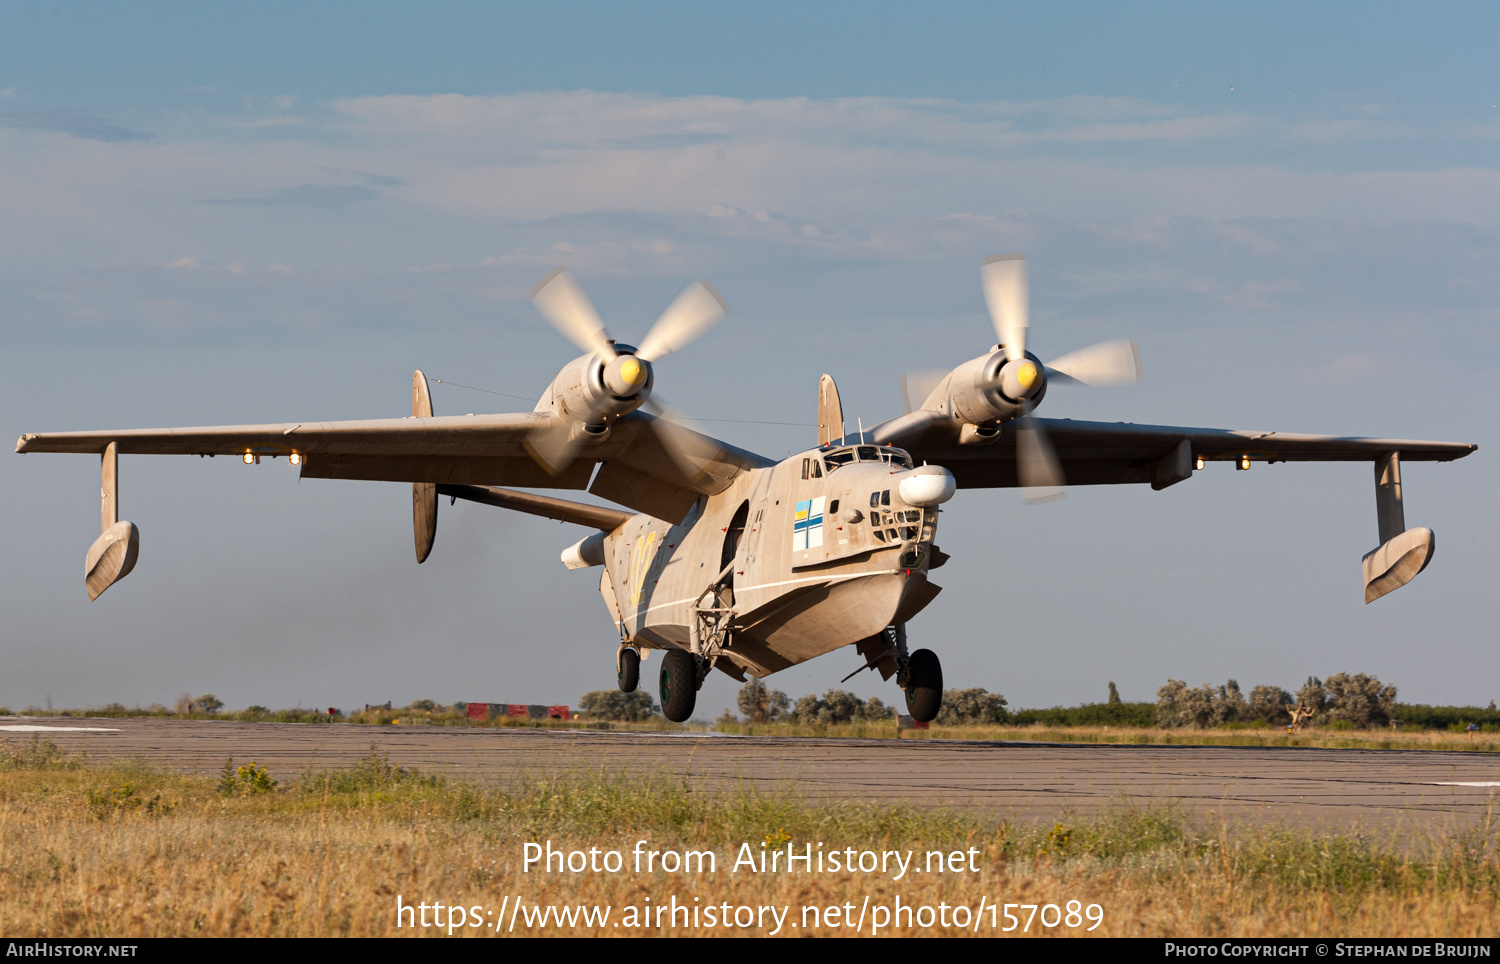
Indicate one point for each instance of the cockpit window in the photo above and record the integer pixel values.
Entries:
(838, 458)
(867, 453)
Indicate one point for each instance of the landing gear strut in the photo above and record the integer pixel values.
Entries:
(922, 678)
(680, 679)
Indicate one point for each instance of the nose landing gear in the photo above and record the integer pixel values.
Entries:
(922, 679)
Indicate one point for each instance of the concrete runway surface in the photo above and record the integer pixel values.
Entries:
(1395, 790)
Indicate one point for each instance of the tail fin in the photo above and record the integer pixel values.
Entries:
(423, 494)
(830, 411)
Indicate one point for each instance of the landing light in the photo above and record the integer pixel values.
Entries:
(295, 458)
(1244, 462)
(250, 458)
(1201, 463)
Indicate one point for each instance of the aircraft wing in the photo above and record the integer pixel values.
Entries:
(1110, 453)
(483, 450)
(458, 449)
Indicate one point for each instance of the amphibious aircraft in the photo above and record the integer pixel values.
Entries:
(733, 561)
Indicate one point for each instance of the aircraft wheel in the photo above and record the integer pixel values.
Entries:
(924, 689)
(679, 685)
(629, 673)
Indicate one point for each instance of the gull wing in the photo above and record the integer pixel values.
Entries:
(454, 449)
(483, 450)
(1113, 453)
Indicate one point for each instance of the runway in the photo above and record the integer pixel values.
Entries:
(1399, 790)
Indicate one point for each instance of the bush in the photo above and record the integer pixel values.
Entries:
(1087, 714)
(973, 705)
(1178, 705)
(617, 706)
(36, 754)
(838, 706)
(1312, 696)
(1269, 704)
(372, 773)
(1360, 700)
(1426, 717)
(246, 779)
(761, 704)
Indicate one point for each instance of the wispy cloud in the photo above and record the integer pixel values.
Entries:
(87, 126)
(304, 196)
(374, 180)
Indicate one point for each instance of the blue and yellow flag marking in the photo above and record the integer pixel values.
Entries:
(807, 525)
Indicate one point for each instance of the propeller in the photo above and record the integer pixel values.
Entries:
(563, 303)
(1021, 378)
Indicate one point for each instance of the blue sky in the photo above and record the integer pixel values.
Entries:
(264, 213)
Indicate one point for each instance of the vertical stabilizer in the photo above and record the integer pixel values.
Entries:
(423, 494)
(830, 411)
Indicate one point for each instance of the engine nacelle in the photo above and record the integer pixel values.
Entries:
(976, 389)
(597, 391)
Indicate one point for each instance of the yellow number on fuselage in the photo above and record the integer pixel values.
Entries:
(640, 564)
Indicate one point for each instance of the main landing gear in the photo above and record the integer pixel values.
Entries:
(628, 669)
(681, 675)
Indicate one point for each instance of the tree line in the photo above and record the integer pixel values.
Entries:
(1343, 700)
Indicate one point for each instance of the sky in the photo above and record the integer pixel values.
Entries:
(223, 214)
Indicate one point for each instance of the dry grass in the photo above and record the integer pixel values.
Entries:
(118, 851)
(1221, 736)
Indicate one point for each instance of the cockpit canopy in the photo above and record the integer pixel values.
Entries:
(834, 458)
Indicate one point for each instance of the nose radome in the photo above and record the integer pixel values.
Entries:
(927, 486)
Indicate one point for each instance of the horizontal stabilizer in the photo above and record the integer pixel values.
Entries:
(594, 516)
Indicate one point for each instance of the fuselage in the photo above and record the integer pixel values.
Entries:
(813, 553)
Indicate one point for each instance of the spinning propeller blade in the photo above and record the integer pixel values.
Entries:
(564, 304)
(1037, 467)
(918, 385)
(1004, 278)
(694, 312)
(677, 434)
(1103, 365)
